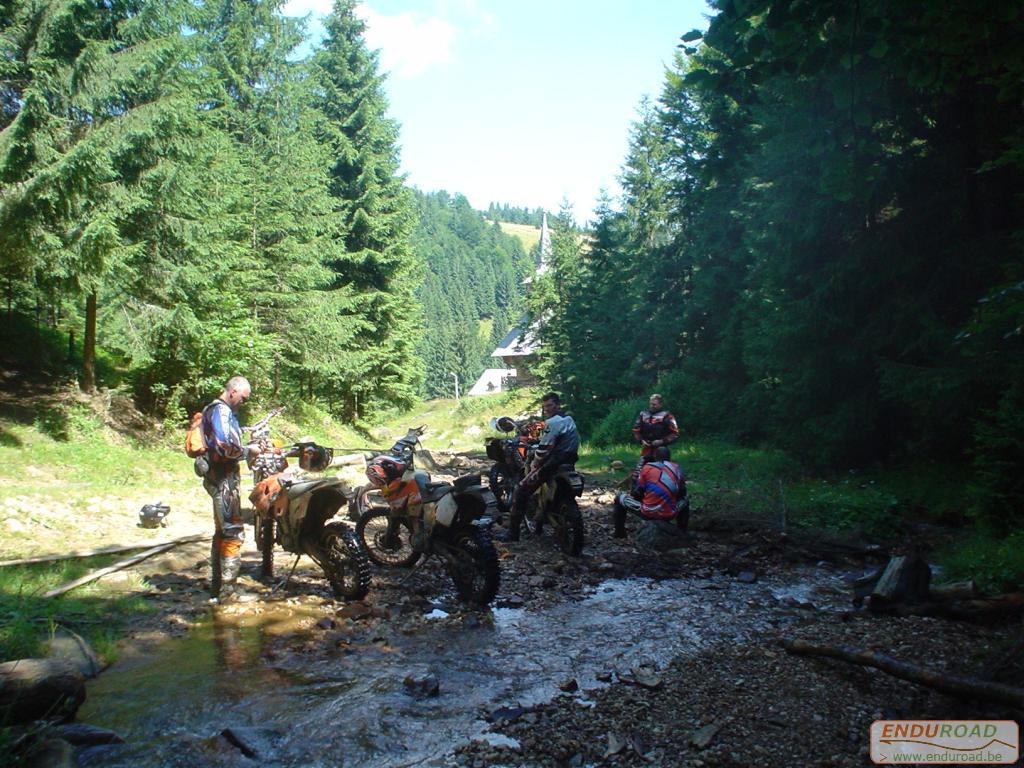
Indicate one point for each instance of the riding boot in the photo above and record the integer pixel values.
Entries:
(216, 576)
(535, 522)
(515, 522)
(683, 513)
(619, 519)
(230, 567)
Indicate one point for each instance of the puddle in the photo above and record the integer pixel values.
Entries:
(353, 709)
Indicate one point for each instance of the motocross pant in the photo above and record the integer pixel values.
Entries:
(524, 490)
(626, 503)
(222, 482)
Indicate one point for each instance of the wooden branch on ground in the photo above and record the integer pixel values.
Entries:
(952, 685)
(93, 575)
(86, 553)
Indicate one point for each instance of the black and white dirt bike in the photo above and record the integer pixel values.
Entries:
(509, 455)
(292, 511)
(554, 503)
(422, 519)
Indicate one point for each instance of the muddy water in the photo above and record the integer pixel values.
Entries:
(350, 707)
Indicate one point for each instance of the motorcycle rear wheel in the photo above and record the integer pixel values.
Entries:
(386, 542)
(567, 523)
(344, 562)
(473, 565)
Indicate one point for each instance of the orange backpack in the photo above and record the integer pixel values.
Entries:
(195, 445)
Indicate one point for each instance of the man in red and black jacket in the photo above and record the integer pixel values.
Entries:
(655, 427)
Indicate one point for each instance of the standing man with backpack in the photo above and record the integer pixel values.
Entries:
(224, 449)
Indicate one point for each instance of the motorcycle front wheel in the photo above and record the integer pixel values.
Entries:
(567, 523)
(473, 565)
(386, 542)
(502, 485)
(344, 562)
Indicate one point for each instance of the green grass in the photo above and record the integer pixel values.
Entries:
(996, 563)
(528, 234)
(456, 426)
(96, 611)
(87, 458)
(766, 487)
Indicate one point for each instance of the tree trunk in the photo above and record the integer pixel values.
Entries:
(951, 685)
(89, 346)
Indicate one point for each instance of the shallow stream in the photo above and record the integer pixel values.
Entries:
(351, 707)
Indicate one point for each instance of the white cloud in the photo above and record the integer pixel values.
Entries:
(409, 42)
(303, 7)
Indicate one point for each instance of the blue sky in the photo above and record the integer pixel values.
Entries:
(519, 101)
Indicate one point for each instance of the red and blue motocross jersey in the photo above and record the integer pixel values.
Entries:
(660, 482)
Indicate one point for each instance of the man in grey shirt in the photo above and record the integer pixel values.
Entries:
(559, 444)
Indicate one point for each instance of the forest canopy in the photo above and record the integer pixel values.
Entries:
(818, 246)
(820, 242)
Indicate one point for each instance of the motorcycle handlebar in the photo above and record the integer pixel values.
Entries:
(262, 423)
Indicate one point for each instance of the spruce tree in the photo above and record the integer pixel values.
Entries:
(374, 265)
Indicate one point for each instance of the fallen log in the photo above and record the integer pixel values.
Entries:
(980, 610)
(957, 590)
(951, 685)
(349, 459)
(93, 575)
(79, 553)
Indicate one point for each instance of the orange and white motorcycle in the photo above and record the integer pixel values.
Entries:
(424, 519)
(293, 510)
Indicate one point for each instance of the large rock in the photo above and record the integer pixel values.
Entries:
(51, 753)
(69, 651)
(32, 689)
(660, 535)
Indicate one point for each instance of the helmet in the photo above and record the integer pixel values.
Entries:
(383, 470)
(152, 515)
(505, 424)
(315, 458)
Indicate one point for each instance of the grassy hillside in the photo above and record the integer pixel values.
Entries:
(528, 235)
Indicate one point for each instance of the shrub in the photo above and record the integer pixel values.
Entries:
(616, 425)
(996, 563)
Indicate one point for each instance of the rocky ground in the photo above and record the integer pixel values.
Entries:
(749, 703)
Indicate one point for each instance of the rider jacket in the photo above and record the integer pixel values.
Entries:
(221, 432)
(659, 486)
(560, 439)
(659, 425)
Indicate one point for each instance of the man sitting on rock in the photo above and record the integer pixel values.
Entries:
(659, 494)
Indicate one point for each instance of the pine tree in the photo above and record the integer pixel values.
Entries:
(90, 92)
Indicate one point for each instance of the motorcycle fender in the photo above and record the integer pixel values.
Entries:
(298, 510)
(445, 509)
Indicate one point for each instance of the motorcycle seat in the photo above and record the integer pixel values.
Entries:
(302, 487)
(434, 491)
(467, 481)
(562, 468)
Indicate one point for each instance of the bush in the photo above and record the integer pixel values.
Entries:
(616, 426)
(998, 487)
(996, 563)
